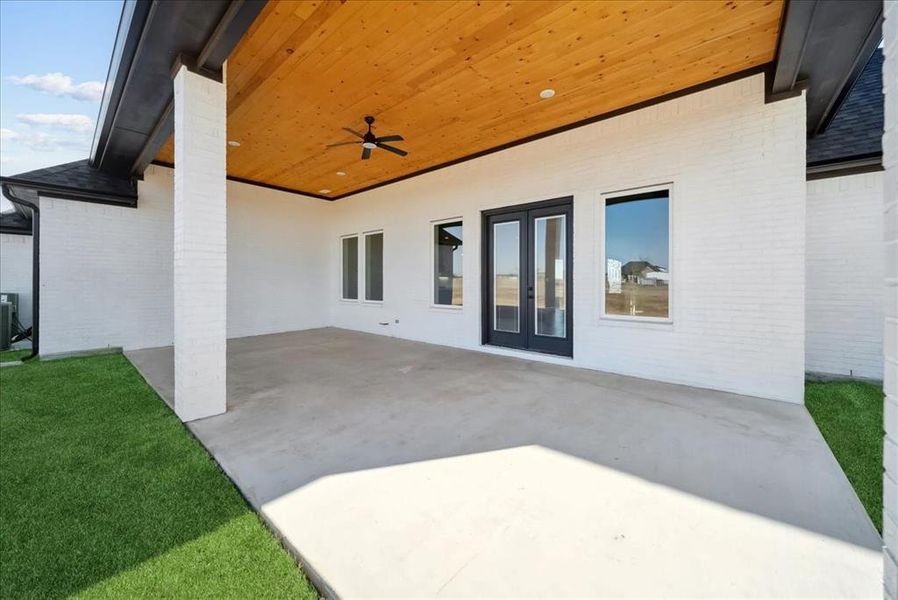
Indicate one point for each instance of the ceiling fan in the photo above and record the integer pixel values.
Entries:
(369, 141)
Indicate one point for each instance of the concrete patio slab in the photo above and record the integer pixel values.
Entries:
(401, 469)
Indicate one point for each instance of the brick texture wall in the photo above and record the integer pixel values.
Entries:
(844, 271)
(890, 219)
(200, 246)
(737, 167)
(738, 235)
(111, 268)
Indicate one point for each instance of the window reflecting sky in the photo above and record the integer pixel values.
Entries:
(638, 230)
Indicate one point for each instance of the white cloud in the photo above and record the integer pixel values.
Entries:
(43, 142)
(58, 84)
(71, 122)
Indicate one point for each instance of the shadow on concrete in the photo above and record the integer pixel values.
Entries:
(306, 405)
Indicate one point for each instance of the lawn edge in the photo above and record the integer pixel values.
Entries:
(838, 464)
(306, 569)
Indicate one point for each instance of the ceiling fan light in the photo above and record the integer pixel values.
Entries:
(369, 145)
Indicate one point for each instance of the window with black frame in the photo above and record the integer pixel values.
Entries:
(637, 255)
(350, 268)
(448, 258)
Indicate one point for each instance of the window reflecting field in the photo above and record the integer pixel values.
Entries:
(637, 246)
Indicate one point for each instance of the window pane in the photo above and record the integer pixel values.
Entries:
(637, 265)
(507, 275)
(448, 264)
(351, 268)
(374, 266)
(550, 280)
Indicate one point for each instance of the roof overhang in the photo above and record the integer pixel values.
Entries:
(16, 221)
(71, 181)
(824, 45)
(136, 111)
(843, 167)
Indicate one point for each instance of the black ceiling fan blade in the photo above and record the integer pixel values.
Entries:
(390, 138)
(353, 132)
(366, 153)
(392, 149)
(341, 144)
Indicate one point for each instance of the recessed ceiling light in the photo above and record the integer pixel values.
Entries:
(341, 174)
(234, 143)
(547, 93)
(324, 191)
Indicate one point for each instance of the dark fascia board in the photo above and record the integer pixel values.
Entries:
(127, 38)
(70, 193)
(867, 48)
(236, 20)
(14, 230)
(823, 47)
(868, 163)
(256, 183)
(798, 15)
(139, 92)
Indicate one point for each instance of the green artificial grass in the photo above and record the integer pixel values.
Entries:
(849, 414)
(13, 355)
(105, 494)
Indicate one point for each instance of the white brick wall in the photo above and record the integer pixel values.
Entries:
(737, 166)
(738, 171)
(15, 271)
(844, 274)
(200, 246)
(107, 271)
(890, 220)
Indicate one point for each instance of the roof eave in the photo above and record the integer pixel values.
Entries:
(70, 193)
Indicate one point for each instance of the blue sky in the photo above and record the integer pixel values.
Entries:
(638, 230)
(54, 57)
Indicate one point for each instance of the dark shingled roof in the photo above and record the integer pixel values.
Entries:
(77, 179)
(15, 222)
(856, 130)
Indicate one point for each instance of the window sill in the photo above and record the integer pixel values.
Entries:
(452, 308)
(372, 302)
(638, 322)
(349, 300)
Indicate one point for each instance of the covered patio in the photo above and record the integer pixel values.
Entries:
(395, 468)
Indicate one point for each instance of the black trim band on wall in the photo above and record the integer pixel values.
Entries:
(268, 186)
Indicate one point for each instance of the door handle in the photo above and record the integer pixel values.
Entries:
(530, 293)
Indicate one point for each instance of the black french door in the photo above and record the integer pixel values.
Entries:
(528, 279)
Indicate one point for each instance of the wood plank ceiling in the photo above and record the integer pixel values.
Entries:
(457, 78)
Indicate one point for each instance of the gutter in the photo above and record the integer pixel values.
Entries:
(70, 193)
(841, 167)
(35, 266)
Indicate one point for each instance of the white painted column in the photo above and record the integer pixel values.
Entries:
(200, 255)
(890, 373)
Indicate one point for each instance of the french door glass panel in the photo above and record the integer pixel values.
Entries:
(550, 251)
(527, 292)
(507, 276)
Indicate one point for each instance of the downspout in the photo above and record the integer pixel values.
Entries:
(35, 267)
